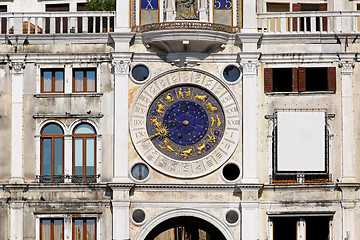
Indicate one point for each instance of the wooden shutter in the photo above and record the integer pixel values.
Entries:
(295, 80)
(323, 7)
(268, 80)
(331, 79)
(296, 8)
(302, 80)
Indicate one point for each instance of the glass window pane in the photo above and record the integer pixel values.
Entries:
(46, 156)
(45, 229)
(59, 81)
(78, 156)
(47, 81)
(58, 230)
(52, 129)
(58, 156)
(84, 128)
(90, 156)
(79, 226)
(90, 227)
(79, 81)
(90, 76)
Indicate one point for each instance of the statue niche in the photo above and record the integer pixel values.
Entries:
(186, 10)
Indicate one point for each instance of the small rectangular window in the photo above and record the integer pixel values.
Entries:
(84, 229)
(84, 80)
(300, 79)
(51, 229)
(52, 80)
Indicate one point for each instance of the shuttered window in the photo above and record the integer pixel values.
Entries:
(297, 7)
(299, 79)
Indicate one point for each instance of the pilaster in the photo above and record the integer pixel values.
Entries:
(121, 67)
(68, 157)
(17, 65)
(170, 11)
(250, 210)
(250, 64)
(249, 17)
(120, 210)
(347, 109)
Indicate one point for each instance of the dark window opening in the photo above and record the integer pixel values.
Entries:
(316, 79)
(306, 21)
(282, 79)
(3, 8)
(316, 227)
(277, 7)
(284, 228)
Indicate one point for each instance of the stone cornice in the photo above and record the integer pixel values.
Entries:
(49, 39)
(179, 187)
(296, 58)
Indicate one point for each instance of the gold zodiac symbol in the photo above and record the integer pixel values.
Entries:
(155, 122)
(188, 93)
(200, 97)
(167, 146)
(181, 94)
(169, 98)
(212, 137)
(211, 107)
(199, 149)
(212, 121)
(218, 121)
(186, 153)
(160, 108)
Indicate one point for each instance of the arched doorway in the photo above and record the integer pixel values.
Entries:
(185, 224)
(185, 228)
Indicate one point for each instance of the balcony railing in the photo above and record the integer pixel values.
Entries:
(68, 178)
(186, 25)
(309, 22)
(57, 23)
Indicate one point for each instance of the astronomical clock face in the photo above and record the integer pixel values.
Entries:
(185, 123)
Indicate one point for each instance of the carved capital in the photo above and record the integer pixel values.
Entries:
(250, 67)
(347, 67)
(17, 66)
(121, 66)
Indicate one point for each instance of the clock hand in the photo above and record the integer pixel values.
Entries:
(152, 136)
(161, 131)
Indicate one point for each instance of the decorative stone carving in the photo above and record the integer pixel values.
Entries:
(250, 67)
(121, 67)
(186, 10)
(17, 66)
(347, 67)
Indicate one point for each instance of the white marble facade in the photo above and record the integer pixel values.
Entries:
(288, 47)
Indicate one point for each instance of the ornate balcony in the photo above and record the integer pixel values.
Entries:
(172, 37)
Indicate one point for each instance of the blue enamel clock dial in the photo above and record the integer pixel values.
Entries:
(185, 122)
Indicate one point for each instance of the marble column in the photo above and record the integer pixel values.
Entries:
(122, 19)
(249, 17)
(170, 11)
(17, 66)
(347, 110)
(249, 63)
(121, 64)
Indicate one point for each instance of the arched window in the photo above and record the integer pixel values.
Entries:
(52, 154)
(84, 155)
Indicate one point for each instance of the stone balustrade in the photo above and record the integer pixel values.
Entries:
(309, 22)
(57, 22)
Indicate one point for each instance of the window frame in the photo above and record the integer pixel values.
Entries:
(299, 80)
(282, 177)
(84, 226)
(84, 136)
(51, 136)
(52, 227)
(84, 70)
(53, 70)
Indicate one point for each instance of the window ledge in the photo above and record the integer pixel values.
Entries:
(66, 95)
(299, 93)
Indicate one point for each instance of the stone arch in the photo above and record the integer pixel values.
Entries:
(184, 213)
